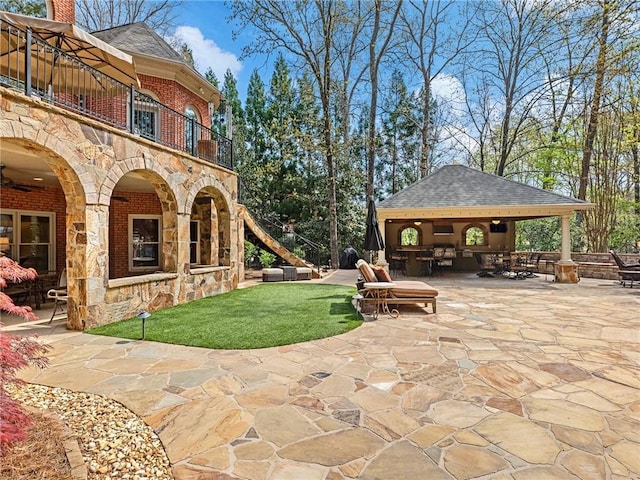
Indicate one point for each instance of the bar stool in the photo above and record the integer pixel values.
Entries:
(426, 264)
(398, 263)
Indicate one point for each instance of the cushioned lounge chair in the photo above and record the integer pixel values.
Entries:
(405, 291)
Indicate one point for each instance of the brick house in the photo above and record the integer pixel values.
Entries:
(116, 179)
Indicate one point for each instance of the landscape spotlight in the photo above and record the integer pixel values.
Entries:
(143, 315)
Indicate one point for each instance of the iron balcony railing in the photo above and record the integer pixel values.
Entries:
(39, 69)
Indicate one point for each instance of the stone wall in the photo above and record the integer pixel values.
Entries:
(89, 159)
(590, 265)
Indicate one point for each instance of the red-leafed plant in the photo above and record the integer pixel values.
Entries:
(16, 352)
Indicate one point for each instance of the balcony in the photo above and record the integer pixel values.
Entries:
(89, 82)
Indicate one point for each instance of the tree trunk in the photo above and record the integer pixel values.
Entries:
(592, 126)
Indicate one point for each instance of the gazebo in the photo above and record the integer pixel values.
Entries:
(463, 212)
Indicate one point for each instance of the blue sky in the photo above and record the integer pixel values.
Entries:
(205, 27)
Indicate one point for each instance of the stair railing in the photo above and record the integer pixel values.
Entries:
(289, 239)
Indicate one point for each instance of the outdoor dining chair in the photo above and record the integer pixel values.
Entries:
(59, 295)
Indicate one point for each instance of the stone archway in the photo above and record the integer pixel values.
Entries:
(70, 242)
(153, 197)
(209, 199)
(211, 213)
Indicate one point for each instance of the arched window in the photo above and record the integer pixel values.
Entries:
(410, 236)
(474, 235)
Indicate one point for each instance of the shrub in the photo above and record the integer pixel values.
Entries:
(267, 258)
(16, 352)
(250, 252)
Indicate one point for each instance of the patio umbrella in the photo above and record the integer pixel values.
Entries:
(373, 240)
(69, 39)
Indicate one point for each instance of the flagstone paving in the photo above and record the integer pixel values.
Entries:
(510, 380)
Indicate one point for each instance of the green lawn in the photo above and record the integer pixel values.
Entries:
(266, 315)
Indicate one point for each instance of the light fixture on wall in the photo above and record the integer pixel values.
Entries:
(495, 221)
(4, 243)
(417, 222)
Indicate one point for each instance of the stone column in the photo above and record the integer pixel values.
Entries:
(565, 255)
(182, 252)
(96, 271)
(566, 270)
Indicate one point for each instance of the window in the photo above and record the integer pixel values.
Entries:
(409, 236)
(7, 240)
(190, 128)
(146, 117)
(194, 242)
(474, 235)
(145, 123)
(28, 238)
(145, 234)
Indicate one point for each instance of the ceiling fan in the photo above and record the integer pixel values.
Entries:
(6, 182)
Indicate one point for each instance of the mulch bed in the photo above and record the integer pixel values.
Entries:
(40, 456)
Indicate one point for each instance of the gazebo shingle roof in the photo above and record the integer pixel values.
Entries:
(460, 186)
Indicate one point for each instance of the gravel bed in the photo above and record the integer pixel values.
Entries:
(115, 443)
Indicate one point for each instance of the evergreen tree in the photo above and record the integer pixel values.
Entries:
(32, 8)
(280, 116)
(258, 171)
(399, 165)
(238, 135)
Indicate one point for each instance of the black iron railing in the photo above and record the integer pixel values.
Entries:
(304, 248)
(41, 70)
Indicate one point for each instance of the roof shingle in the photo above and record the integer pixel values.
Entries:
(460, 186)
(138, 38)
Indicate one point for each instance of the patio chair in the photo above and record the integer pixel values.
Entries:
(621, 263)
(486, 264)
(532, 265)
(59, 295)
(404, 292)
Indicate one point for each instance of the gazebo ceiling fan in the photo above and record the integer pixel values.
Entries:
(6, 182)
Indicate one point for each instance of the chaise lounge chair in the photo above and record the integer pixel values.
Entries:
(405, 291)
(622, 265)
(628, 272)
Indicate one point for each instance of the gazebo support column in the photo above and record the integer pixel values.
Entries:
(382, 261)
(566, 269)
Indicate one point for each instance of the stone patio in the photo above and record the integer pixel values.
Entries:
(510, 380)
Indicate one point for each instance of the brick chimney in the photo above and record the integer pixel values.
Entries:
(61, 10)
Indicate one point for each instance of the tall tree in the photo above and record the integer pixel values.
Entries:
(504, 66)
(232, 100)
(400, 164)
(613, 24)
(159, 15)
(305, 30)
(380, 34)
(33, 8)
(428, 50)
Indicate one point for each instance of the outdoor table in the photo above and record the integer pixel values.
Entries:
(380, 292)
